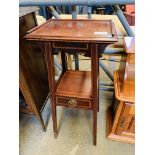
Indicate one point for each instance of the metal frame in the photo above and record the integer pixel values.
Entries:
(75, 2)
(88, 3)
(103, 66)
(54, 12)
(123, 20)
(43, 8)
(74, 12)
(89, 12)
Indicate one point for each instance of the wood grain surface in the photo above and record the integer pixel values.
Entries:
(75, 30)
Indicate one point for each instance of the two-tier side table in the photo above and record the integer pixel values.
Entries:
(75, 88)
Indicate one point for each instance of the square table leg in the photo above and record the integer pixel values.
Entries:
(50, 65)
(94, 74)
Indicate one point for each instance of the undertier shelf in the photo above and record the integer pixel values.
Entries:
(76, 84)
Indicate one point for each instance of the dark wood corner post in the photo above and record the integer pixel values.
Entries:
(94, 77)
(50, 66)
(95, 84)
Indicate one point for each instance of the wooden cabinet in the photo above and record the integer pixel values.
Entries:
(33, 81)
(121, 115)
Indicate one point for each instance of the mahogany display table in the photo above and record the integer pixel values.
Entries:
(74, 89)
(121, 115)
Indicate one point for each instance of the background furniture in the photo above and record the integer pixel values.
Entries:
(130, 14)
(74, 89)
(121, 115)
(33, 80)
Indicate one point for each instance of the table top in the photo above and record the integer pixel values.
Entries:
(74, 30)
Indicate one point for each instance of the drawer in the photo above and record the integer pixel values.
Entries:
(73, 103)
(70, 45)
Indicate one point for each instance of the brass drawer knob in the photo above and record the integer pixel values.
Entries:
(72, 103)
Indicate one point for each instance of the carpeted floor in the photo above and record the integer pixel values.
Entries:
(75, 133)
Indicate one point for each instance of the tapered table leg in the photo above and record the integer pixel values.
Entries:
(94, 72)
(51, 79)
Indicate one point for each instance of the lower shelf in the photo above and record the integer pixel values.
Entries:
(75, 84)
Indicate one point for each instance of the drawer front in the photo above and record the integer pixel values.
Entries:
(70, 45)
(73, 103)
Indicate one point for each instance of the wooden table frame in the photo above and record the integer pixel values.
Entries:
(90, 43)
(48, 49)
